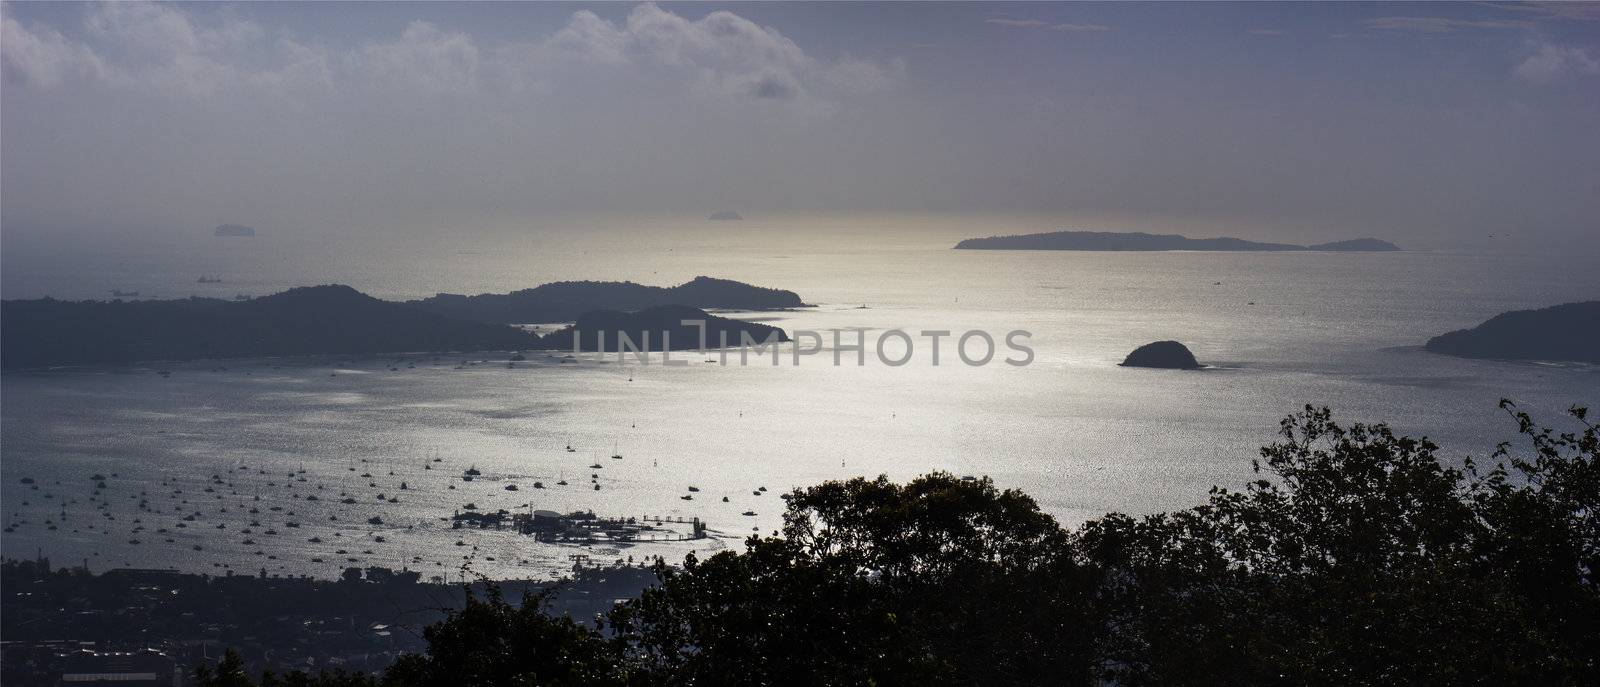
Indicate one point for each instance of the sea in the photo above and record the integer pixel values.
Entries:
(193, 454)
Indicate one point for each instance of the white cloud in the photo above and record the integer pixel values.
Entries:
(422, 58)
(160, 48)
(1016, 23)
(43, 57)
(1079, 28)
(1443, 24)
(1566, 10)
(1037, 24)
(1553, 61)
(149, 46)
(722, 54)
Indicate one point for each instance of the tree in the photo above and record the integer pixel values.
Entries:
(1357, 558)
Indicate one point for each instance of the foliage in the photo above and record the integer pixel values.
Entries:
(1357, 557)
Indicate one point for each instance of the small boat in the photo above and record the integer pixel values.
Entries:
(749, 513)
(687, 497)
(694, 488)
(538, 485)
(474, 471)
(511, 487)
(724, 499)
(374, 520)
(562, 483)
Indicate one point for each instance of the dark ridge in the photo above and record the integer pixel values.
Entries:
(725, 216)
(1163, 354)
(1136, 241)
(1355, 245)
(659, 328)
(301, 321)
(1567, 332)
(565, 301)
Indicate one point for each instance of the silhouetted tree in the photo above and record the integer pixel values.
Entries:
(1357, 557)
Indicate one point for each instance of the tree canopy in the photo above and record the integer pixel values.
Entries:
(1356, 557)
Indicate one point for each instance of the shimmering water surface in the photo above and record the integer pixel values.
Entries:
(1079, 433)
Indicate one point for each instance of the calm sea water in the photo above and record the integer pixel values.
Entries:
(1079, 433)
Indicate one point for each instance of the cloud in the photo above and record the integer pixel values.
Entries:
(43, 57)
(1443, 24)
(1016, 23)
(1551, 62)
(1573, 11)
(720, 54)
(1037, 24)
(422, 58)
(147, 46)
(160, 48)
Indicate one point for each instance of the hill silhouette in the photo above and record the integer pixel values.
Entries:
(565, 301)
(301, 321)
(1137, 240)
(658, 328)
(1163, 354)
(1569, 332)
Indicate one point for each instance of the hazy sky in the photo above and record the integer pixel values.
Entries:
(1418, 122)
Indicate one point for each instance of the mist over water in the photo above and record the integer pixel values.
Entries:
(1074, 430)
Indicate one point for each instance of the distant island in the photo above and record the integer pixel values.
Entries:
(659, 328)
(1568, 332)
(234, 230)
(565, 301)
(337, 319)
(725, 216)
(1136, 241)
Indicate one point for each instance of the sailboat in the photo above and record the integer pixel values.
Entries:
(615, 454)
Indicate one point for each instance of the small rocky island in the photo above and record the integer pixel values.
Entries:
(1140, 241)
(1569, 332)
(725, 216)
(1169, 355)
(234, 231)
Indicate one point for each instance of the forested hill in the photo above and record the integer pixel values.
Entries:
(300, 321)
(566, 301)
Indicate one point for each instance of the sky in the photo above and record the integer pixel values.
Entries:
(1427, 123)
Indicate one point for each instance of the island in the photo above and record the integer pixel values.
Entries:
(725, 216)
(234, 230)
(1140, 241)
(659, 328)
(1169, 355)
(301, 321)
(565, 301)
(1569, 332)
(337, 319)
